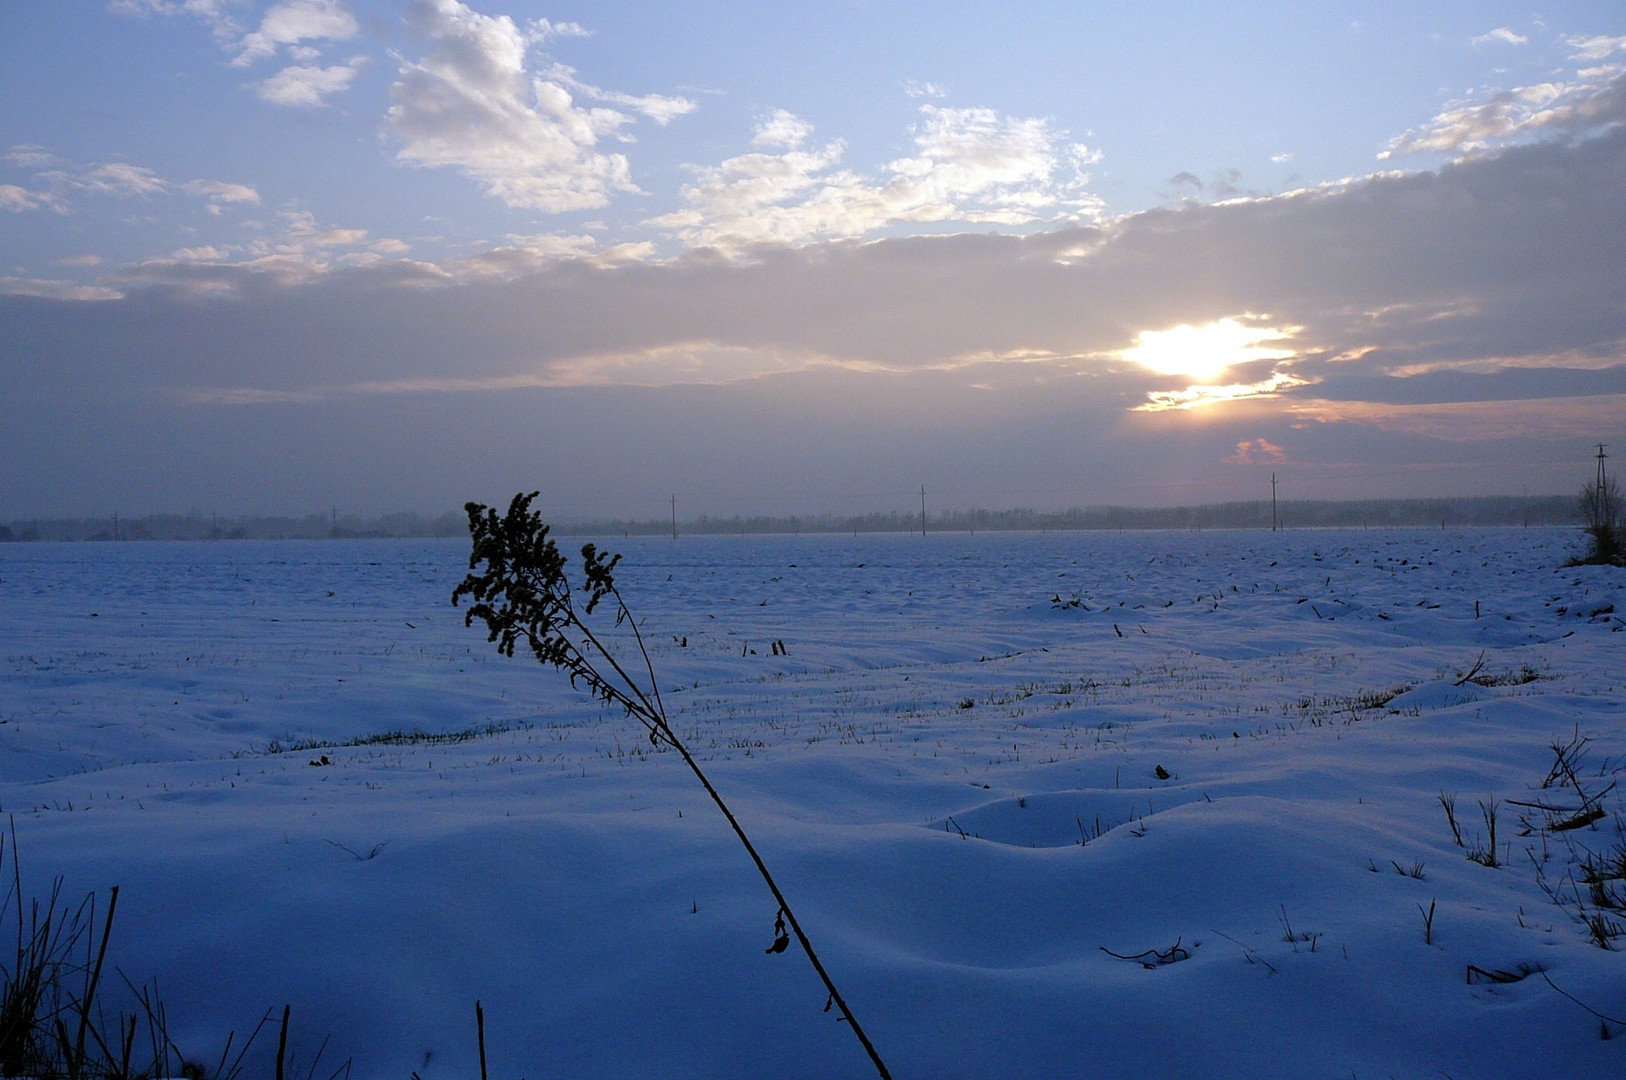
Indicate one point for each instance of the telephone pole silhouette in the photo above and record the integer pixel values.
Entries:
(1604, 506)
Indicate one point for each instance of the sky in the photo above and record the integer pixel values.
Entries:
(274, 257)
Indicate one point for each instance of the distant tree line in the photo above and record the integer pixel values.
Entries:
(249, 527)
(1307, 514)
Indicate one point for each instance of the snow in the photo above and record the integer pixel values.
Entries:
(952, 772)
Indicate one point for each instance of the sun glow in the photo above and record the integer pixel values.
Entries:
(1204, 353)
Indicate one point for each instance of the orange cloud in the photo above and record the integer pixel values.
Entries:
(1257, 452)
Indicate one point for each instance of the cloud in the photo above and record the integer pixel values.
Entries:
(30, 156)
(56, 290)
(1226, 184)
(245, 395)
(1593, 49)
(968, 166)
(782, 129)
(473, 104)
(1501, 35)
(1207, 394)
(208, 253)
(658, 107)
(1575, 420)
(1208, 351)
(214, 13)
(288, 26)
(542, 31)
(1492, 262)
(1596, 99)
(299, 251)
(309, 87)
(219, 191)
(117, 179)
(1257, 452)
(194, 278)
(18, 200)
(293, 21)
(1433, 311)
(916, 89)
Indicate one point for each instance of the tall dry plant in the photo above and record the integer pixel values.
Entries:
(525, 598)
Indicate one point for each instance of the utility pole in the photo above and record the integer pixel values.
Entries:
(674, 515)
(922, 509)
(1272, 502)
(1603, 513)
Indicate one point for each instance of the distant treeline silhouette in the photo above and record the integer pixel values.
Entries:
(1307, 514)
(249, 527)
(1499, 510)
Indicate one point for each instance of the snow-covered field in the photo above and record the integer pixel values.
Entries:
(955, 771)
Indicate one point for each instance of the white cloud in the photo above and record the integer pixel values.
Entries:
(923, 89)
(289, 26)
(782, 128)
(968, 165)
(219, 191)
(303, 230)
(1203, 394)
(30, 156)
(245, 395)
(658, 107)
(118, 179)
(472, 104)
(208, 253)
(115, 179)
(1596, 99)
(1595, 48)
(49, 289)
(294, 21)
(552, 245)
(1501, 35)
(18, 200)
(544, 30)
(302, 86)
(219, 278)
(215, 13)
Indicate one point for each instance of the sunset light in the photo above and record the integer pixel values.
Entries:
(1204, 353)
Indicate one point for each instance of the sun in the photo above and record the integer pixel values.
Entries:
(1204, 353)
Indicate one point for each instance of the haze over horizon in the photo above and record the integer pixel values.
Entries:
(264, 257)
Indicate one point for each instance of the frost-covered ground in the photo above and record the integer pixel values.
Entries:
(954, 772)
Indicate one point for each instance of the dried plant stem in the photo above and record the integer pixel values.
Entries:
(525, 596)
